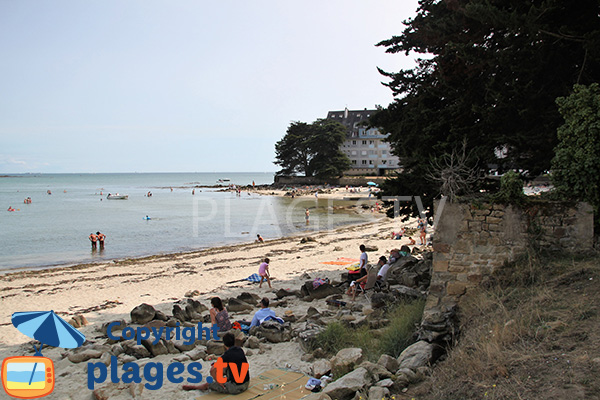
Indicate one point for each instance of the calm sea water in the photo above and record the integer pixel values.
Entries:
(54, 229)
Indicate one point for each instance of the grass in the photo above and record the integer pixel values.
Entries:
(532, 335)
(389, 340)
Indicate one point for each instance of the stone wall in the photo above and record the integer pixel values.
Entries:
(471, 241)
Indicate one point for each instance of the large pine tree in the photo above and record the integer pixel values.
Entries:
(489, 75)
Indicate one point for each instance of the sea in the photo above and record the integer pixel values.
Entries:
(165, 213)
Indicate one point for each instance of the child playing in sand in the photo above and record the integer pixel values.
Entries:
(263, 271)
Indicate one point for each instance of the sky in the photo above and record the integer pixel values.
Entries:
(182, 86)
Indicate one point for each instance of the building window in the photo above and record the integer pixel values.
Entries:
(354, 162)
(384, 161)
(364, 142)
(354, 142)
(370, 142)
(383, 152)
(363, 153)
(370, 162)
(354, 152)
(364, 162)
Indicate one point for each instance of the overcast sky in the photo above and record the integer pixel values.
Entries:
(181, 85)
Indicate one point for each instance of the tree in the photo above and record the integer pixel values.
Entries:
(491, 73)
(313, 149)
(576, 163)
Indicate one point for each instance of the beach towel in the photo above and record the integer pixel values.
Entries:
(318, 282)
(271, 318)
(269, 385)
(254, 278)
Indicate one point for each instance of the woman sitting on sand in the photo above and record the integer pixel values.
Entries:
(218, 315)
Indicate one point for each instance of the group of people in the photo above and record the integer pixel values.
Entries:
(421, 229)
(383, 263)
(233, 353)
(27, 200)
(96, 238)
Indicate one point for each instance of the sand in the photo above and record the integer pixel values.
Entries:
(109, 291)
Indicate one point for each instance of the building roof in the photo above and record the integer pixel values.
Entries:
(351, 118)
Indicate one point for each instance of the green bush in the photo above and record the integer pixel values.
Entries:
(399, 334)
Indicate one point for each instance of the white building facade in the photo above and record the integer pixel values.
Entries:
(366, 148)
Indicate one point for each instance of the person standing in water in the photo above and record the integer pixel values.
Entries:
(306, 215)
(101, 237)
(94, 239)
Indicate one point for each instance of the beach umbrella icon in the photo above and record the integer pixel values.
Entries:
(48, 328)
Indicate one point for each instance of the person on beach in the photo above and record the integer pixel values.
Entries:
(363, 261)
(307, 215)
(233, 354)
(219, 315)
(411, 241)
(259, 239)
(384, 266)
(94, 239)
(263, 313)
(101, 237)
(263, 271)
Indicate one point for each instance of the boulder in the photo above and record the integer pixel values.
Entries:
(179, 313)
(407, 293)
(142, 314)
(118, 390)
(252, 342)
(380, 300)
(321, 292)
(307, 333)
(281, 293)
(120, 324)
(84, 355)
(321, 367)
(385, 383)
(249, 298)
(236, 305)
(215, 347)
(274, 332)
(317, 396)
(346, 386)
(157, 349)
(378, 393)
(377, 371)
(196, 354)
(160, 316)
(78, 321)
(388, 362)
(346, 359)
(136, 350)
(416, 355)
(183, 345)
(371, 248)
(197, 306)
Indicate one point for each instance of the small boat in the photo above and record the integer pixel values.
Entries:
(117, 196)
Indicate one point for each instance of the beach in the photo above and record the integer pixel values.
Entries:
(109, 291)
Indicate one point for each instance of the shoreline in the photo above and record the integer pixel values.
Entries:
(108, 291)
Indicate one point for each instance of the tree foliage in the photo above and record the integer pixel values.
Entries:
(489, 74)
(576, 164)
(313, 149)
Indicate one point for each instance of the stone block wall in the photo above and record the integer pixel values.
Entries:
(471, 241)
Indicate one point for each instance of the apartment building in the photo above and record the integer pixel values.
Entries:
(366, 149)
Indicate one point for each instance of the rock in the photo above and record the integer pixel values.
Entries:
(236, 305)
(346, 386)
(321, 292)
(116, 349)
(179, 313)
(385, 383)
(155, 324)
(371, 248)
(120, 390)
(416, 355)
(182, 358)
(196, 354)
(215, 347)
(252, 342)
(120, 324)
(84, 355)
(378, 393)
(377, 371)
(307, 239)
(192, 293)
(321, 367)
(142, 314)
(307, 358)
(78, 321)
(191, 312)
(155, 349)
(307, 334)
(380, 300)
(174, 322)
(346, 359)
(274, 332)
(249, 298)
(124, 358)
(407, 293)
(388, 362)
(183, 345)
(197, 306)
(171, 347)
(281, 293)
(317, 396)
(312, 312)
(136, 350)
(409, 373)
(160, 316)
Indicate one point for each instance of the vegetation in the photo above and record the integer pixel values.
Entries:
(576, 164)
(489, 76)
(511, 189)
(313, 149)
(390, 340)
(531, 335)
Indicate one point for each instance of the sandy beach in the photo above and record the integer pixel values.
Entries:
(109, 291)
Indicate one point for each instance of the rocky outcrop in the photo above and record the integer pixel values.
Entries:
(346, 359)
(346, 386)
(142, 314)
